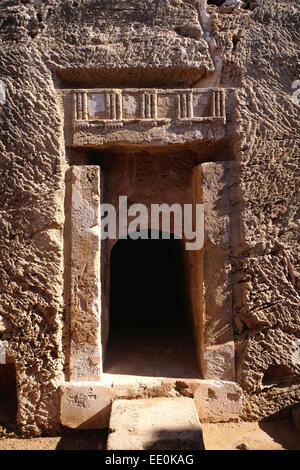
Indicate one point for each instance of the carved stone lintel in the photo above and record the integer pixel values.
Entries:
(109, 111)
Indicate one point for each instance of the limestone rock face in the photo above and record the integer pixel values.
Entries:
(123, 34)
(52, 44)
(4, 324)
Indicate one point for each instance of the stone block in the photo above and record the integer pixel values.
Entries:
(218, 348)
(85, 306)
(155, 424)
(85, 405)
(218, 401)
(219, 361)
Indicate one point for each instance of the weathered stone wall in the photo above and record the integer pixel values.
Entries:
(263, 47)
(32, 199)
(252, 48)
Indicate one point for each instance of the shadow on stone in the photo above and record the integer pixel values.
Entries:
(282, 431)
(83, 440)
(181, 439)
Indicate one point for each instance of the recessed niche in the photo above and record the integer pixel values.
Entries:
(277, 374)
(150, 77)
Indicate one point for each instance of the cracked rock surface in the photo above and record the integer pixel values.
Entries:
(252, 48)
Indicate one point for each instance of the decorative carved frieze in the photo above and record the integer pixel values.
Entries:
(106, 115)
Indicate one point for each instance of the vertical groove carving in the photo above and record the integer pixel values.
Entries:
(74, 106)
(223, 104)
(190, 105)
(217, 94)
(107, 105)
(178, 107)
(84, 106)
(142, 112)
(119, 106)
(79, 106)
(113, 111)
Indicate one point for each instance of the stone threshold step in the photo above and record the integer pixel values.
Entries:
(87, 405)
(155, 424)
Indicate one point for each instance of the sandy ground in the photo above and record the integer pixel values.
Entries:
(277, 434)
(79, 440)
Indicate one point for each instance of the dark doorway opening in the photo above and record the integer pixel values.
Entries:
(8, 398)
(150, 333)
